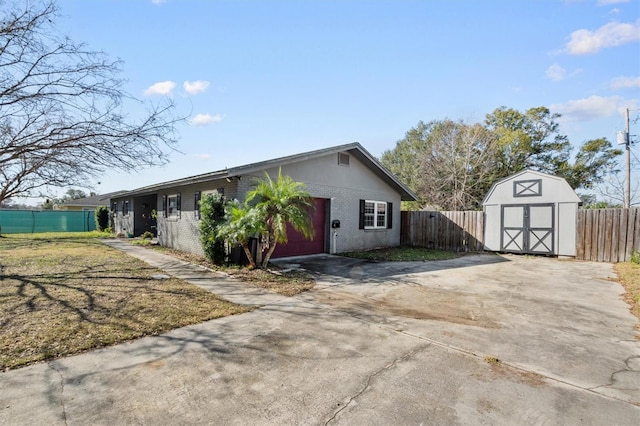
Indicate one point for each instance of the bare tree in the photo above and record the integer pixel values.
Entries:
(62, 108)
(612, 189)
(458, 166)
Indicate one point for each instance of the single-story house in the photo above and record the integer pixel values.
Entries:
(87, 203)
(357, 202)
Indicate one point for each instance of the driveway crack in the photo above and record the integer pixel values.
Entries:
(371, 376)
(64, 409)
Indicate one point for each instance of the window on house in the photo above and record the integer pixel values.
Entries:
(114, 206)
(125, 208)
(375, 214)
(173, 206)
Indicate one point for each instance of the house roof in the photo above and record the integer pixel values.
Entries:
(354, 149)
(93, 201)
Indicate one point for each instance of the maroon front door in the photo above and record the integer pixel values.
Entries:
(297, 245)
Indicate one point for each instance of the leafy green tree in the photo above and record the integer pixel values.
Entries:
(281, 202)
(451, 165)
(241, 224)
(405, 159)
(528, 140)
(595, 160)
(212, 211)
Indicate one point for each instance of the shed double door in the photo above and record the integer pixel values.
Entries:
(527, 228)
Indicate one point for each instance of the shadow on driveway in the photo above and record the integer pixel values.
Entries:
(333, 268)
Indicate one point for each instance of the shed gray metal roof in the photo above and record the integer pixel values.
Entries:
(354, 149)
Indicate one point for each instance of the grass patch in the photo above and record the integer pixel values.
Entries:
(629, 275)
(402, 254)
(285, 282)
(64, 295)
(492, 360)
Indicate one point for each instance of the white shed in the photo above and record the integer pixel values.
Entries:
(531, 212)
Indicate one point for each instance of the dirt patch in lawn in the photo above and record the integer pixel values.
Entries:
(418, 303)
(281, 281)
(64, 296)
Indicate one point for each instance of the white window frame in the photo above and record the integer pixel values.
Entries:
(377, 216)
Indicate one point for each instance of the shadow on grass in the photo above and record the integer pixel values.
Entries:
(78, 306)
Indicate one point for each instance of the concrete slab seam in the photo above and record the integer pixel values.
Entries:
(64, 409)
(370, 377)
(523, 370)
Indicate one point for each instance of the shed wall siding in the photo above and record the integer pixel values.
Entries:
(566, 229)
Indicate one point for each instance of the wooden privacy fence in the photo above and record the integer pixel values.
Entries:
(455, 231)
(602, 235)
(607, 235)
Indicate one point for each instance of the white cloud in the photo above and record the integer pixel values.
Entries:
(202, 156)
(590, 108)
(583, 41)
(625, 83)
(607, 2)
(556, 73)
(160, 88)
(205, 119)
(195, 87)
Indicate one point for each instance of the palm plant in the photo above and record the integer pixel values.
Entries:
(241, 224)
(281, 202)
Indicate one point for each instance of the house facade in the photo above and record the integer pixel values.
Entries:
(357, 202)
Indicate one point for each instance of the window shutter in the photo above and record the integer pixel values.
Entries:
(361, 225)
(164, 206)
(389, 215)
(179, 203)
(196, 204)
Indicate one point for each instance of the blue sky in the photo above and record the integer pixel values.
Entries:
(263, 79)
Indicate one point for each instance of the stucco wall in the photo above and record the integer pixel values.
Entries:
(344, 186)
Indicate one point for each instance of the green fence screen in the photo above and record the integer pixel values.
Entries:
(32, 221)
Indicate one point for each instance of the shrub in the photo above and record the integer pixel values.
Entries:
(635, 257)
(102, 218)
(212, 216)
(147, 235)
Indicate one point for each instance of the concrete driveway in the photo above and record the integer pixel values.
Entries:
(478, 340)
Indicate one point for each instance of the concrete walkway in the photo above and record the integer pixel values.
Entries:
(371, 344)
(215, 282)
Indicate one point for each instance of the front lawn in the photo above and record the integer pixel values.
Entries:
(402, 254)
(629, 275)
(62, 294)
